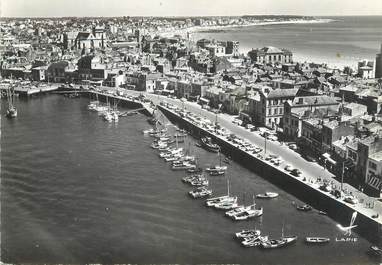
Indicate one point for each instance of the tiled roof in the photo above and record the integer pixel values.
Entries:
(282, 93)
(315, 100)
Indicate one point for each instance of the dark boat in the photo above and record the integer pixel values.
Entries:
(227, 160)
(11, 111)
(152, 121)
(195, 170)
(376, 251)
(208, 145)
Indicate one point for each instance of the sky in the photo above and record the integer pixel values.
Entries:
(107, 8)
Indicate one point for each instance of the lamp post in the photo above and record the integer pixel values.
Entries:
(265, 143)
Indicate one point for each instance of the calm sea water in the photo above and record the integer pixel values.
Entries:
(343, 42)
(76, 189)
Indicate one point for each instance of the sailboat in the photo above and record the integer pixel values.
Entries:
(216, 200)
(278, 243)
(248, 212)
(217, 170)
(11, 111)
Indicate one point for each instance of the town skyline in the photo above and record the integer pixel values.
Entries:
(172, 8)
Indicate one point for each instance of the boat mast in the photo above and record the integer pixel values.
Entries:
(228, 187)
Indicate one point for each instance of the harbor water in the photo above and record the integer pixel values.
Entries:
(77, 189)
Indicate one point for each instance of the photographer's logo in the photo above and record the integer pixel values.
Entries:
(347, 230)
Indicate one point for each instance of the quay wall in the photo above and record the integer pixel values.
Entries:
(337, 210)
(120, 101)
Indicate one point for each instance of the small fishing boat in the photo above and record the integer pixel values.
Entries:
(207, 143)
(216, 168)
(11, 111)
(227, 205)
(322, 213)
(247, 233)
(213, 201)
(278, 243)
(267, 195)
(304, 208)
(375, 250)
(254, 241)
(218, 200)
(195, 170)
(217, 173)
(317, 240)
(200, 192)
(251, 213)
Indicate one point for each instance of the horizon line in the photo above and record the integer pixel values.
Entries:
(181, 16)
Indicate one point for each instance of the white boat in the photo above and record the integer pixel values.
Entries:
(235, 211)
(108, 117)
(278, 243)
(226, 198)
(148, 131)
(267, 195)
(115, 116)
(199, 182)
(11, 111)
(247, 233)
(216, 168)
(248, 214)
(185, 165)
(254, 241)
(212, 201)
(317, 240)
(200, 192)
(227, 205)
(93, 105)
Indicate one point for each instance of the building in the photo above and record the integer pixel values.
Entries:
(232, 48)
(39, 73)
(373, 177)
(270, 109)
(271, 55)
(301, 108)
(216, 50)
(378, 64)
(56, 71)
(368, 151)
(366, 69)
(91, 67)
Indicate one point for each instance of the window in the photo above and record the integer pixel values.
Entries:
(372, 165)
(280, 111)
(269, 112)
(274, 111)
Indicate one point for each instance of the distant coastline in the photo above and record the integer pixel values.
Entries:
(195, 29)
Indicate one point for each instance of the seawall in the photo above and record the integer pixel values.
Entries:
(337, 210)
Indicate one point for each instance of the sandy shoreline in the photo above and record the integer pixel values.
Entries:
(183, 32)
(332, 63)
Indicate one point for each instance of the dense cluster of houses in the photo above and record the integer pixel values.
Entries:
(333, 115)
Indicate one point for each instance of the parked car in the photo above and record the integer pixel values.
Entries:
(309, 158)
(293, 147)
(272, 137)
(250, 127)
(296, 172)
(288, 168)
